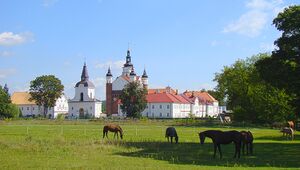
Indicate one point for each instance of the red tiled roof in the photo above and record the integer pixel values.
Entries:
(165, 98)
(162, 90)
(203, 96)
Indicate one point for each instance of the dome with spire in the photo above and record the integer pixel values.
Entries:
(85, 78)
(144, 74)
(108, 73)
(132, 73)
(128, 60)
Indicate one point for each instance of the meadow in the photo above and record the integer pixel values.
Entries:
(51, 144)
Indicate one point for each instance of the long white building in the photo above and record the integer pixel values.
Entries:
(30, 108)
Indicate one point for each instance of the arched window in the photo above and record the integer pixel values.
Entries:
(81, 96)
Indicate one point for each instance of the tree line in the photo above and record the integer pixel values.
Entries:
(265, 88)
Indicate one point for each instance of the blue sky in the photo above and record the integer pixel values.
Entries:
(181, 43)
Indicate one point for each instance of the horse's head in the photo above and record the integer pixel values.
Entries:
(121, 133)
(176, 139)
(201, 137)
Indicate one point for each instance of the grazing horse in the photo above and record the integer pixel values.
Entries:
(171, 132)
(219, 137)
(288, 132)
(112, 128)
(247, 139)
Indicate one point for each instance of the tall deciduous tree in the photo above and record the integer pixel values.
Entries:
(282, 69)
(45, 90)
(133, 98)
(249, 96)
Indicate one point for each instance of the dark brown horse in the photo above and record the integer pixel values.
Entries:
(219, 137)
(112, 128)
(170, 133)
(247, 140)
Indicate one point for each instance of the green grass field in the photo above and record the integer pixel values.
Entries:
(44, 144)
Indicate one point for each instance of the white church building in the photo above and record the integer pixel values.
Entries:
(85, 104)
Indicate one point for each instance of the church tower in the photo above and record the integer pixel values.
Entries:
(84, 104)
(128, 66)
(145, 79)
(109, 92)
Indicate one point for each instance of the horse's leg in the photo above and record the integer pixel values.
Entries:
(117, 135)
(106, 134)
(247, 147)
(219, 148)
(215, 148)
(171, 139)
(243, 148)
(103, 134)
(251, 148)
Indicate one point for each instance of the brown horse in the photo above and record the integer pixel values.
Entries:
(219, 137)
(112, 128)
(247, 139)
(170, 133)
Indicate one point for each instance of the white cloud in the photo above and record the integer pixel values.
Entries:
(112, 64)
(99, 81)
(10, 39)
(5, 53)
(6, 72)
(259, 14)
(267, 47)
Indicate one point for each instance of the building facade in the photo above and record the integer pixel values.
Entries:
(115, 87)
(84, 104)
(30, 108)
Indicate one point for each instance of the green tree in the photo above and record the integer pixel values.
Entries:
(45, 90)
(7, 109)
(133, 98)
(251, 98)
(282, 69)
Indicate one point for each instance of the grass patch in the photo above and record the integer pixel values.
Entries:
(49, 144)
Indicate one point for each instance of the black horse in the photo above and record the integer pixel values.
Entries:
(247, 140)
(171, 132)
(219, 137)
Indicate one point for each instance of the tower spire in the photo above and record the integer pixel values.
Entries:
(84, 74)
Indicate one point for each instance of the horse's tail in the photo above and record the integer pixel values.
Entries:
(104, 130)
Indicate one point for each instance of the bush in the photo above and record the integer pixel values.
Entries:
(60, 117)
(9, 110)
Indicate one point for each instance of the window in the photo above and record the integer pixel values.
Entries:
(160, 106)
(147, 106)
(81, 96)
(27, 108)
(160, 114)
(32, 108)
(168, 106)
(72, 108)
(168, 114)
(91, 108)
(152, 106)
(147, 114)
(152, 114)
(91, 95)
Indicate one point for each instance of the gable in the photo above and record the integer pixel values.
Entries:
(119, 83)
